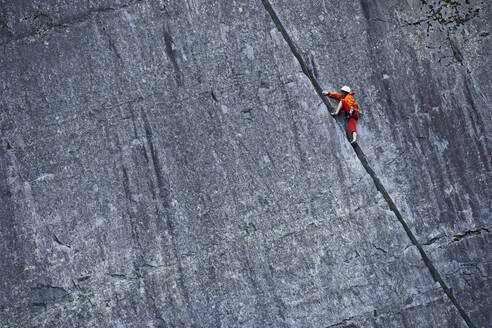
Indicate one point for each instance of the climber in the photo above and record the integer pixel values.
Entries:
(348, 103)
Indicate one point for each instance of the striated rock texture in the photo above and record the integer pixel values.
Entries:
(169, 164)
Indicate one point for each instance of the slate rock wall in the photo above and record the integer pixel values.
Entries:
(167, 164)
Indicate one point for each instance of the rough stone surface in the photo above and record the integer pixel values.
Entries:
(167, 164)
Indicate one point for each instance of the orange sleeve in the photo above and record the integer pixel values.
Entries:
(335, 95)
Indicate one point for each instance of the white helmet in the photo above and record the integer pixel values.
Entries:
(346, 89)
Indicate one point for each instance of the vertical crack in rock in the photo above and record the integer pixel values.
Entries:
(163, 185)
(171, 54)
(379, 186)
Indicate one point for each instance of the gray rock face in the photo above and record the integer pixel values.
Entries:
(169, 164)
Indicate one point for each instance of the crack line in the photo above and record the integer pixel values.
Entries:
(379, 186)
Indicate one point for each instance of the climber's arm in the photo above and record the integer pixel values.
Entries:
(335, 95)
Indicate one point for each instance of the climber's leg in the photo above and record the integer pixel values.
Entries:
(352, 128)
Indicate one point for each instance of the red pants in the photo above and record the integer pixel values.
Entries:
(352, 121)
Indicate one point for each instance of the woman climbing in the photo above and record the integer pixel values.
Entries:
(347, 102)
